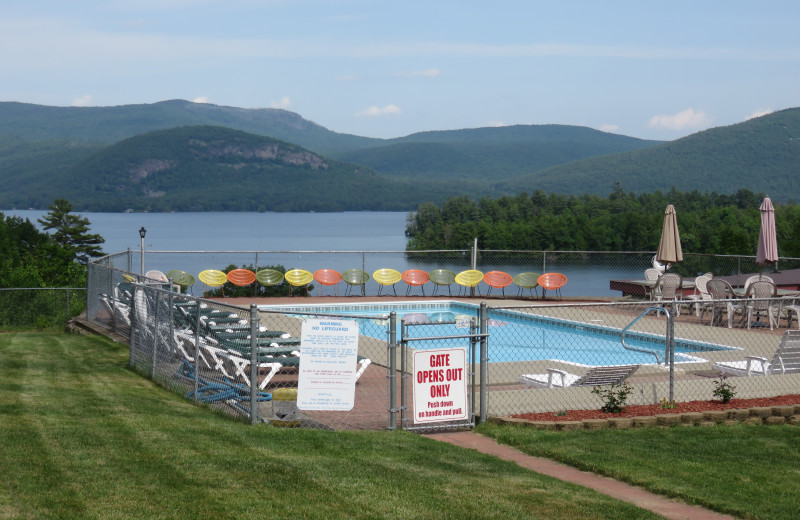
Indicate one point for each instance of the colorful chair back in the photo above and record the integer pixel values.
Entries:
(497, 280)
(212, 277)
(241, 277)
(528, 281)
(181, 278)
(469, 278)
(355, 278)
(298, 278)
(552, 282)
(386, 277)
(442, 277)
(414, 278)
(269, 277)
(327, 277)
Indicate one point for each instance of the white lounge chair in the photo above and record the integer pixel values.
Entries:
(596, 376)
(786, 360)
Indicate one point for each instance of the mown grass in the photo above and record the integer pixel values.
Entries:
(744, 470)
(81, 436)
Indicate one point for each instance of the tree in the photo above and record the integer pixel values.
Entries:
(72, 231)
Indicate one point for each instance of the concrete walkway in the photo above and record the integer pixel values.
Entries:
(636, 496)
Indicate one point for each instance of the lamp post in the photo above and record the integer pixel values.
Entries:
(142, 233)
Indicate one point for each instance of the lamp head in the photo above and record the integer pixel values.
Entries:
(142, 232)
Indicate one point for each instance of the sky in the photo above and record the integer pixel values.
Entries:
(653, 70)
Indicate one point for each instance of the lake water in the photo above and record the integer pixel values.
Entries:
(346, 231)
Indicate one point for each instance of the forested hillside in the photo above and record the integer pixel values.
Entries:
(709, 223)
(762, 154)
(216, 169)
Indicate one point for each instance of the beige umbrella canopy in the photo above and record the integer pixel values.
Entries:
(669, 249)
(767, 238)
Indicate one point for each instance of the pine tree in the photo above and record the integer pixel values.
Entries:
(72, 231)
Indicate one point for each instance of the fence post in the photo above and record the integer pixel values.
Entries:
(671, 347)
(391, 349)
(484, 361)
(253, 363)
(155, 334)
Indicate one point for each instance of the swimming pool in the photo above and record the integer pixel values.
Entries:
(514, 336)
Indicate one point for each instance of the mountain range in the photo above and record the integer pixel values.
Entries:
(182, 156)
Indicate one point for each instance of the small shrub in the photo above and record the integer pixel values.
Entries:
(614, 397)
(724, 390)
(668, 404)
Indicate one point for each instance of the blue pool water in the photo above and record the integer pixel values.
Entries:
(514, 336)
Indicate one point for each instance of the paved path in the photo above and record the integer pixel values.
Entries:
(639, 497)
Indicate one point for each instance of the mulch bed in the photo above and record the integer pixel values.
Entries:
(656, 409)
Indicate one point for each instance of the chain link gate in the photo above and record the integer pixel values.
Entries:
(433, 393)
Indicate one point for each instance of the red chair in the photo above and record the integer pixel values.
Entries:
(552, 282)
(241, 277)
(327, 277)
(497, 280)
(414, 278)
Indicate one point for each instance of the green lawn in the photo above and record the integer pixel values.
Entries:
(745, 471)
(81, 436)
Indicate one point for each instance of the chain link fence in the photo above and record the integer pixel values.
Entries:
(40, 308)
(590, 274)
(521, 357)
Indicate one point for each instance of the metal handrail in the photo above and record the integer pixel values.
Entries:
(631, 324)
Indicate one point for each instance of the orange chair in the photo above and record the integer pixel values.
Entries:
(497, 280)
(414, 278)
(552, 282)
(327, 277)
(241, 277)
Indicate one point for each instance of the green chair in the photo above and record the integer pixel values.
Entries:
(442, 277)
(355, 278)
(269, 277)
(182, 279)
(528, 281)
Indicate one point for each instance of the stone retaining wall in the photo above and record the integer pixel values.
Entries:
(789, 414)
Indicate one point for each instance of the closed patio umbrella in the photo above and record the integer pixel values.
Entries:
(767, 237)
(669, 249)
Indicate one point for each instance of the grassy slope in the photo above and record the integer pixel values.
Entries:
(83, 437)
(746, 471)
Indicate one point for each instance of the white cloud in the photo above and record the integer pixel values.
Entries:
(283, 103)
(682, 120)
(200, 99)
(380, 111)
(759, 113)
(83, 101)
(609, 128)
(427, 73)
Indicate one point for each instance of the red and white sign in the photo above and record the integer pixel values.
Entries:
(440, 385)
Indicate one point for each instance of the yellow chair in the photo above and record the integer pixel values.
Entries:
(528, 281)
(298, 278)
(470, 278)
(212, 277)
(386, 277)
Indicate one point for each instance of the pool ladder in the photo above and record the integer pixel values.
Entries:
(669, 350)
(669, 338)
